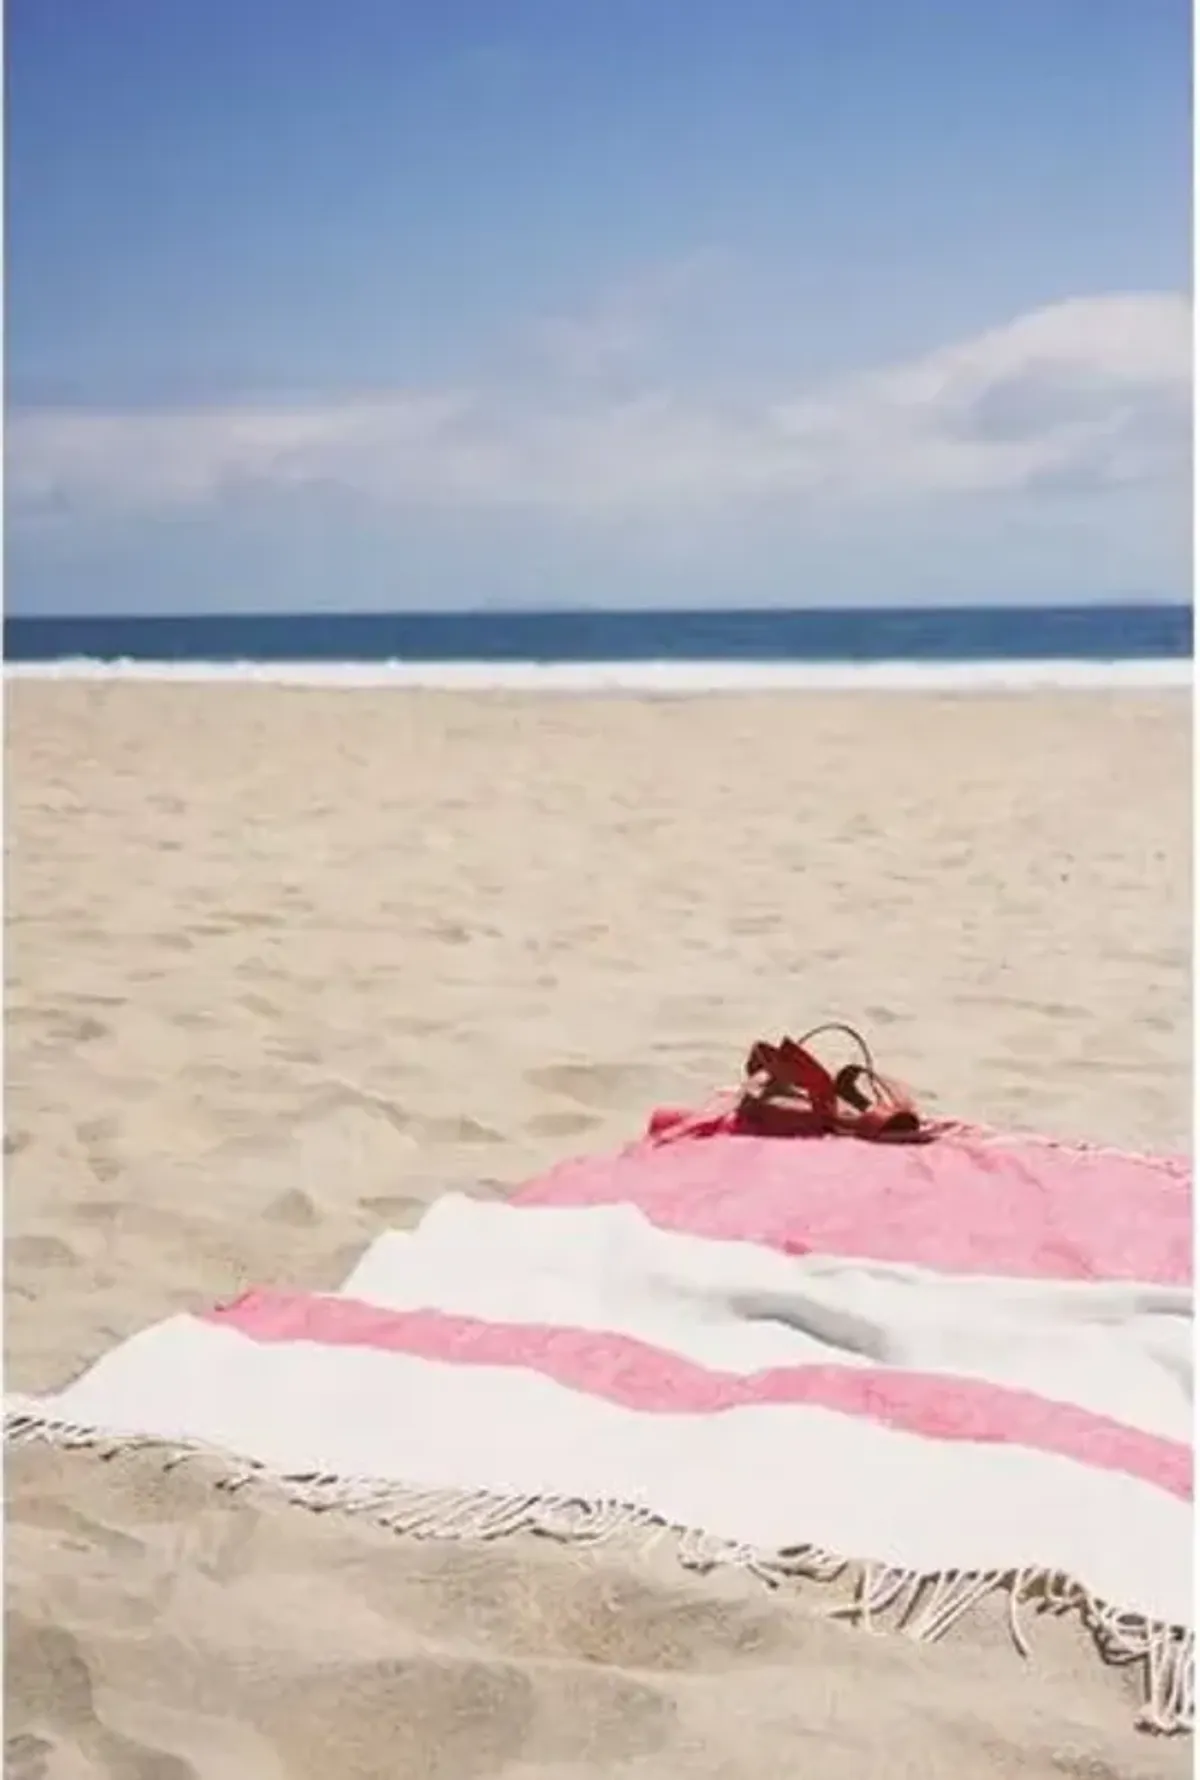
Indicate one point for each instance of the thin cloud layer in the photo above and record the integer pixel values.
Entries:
(1085, 395)
(628, 320)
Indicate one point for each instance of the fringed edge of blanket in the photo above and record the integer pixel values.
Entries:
(922, 1606)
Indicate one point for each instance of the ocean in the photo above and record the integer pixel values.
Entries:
(1096, 645)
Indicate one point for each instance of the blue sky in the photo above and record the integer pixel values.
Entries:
(656, 301)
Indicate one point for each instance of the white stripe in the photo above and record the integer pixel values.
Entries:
(1118, 1350)
(770, 1477)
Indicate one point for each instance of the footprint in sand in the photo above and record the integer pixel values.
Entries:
(26, 1757)
(47, 1671)
(77, 1029)
(396, 1209)
(561, 1124)
(39, 1251)
(171, 941)
(259, 1004)
(607, 1087)
(406, 1209)
(293, 1206)
(460, 1129)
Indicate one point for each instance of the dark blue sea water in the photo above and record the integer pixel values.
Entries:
(946, 635)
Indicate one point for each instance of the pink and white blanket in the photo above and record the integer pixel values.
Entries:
(943, 1371)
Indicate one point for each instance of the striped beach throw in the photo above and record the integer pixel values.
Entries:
(932, 1373)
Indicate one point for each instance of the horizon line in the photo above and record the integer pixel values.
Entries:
(775, 610)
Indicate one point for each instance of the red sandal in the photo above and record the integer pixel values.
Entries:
(788, 1093)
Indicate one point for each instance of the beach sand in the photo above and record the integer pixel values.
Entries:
(284, 964)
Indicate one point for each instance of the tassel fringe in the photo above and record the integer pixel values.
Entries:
(922, 1607)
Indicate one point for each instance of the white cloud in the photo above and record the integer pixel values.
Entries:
(1085, 395)
(1093, 392)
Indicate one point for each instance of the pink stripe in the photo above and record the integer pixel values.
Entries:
(964, 1204)
(644, 1378)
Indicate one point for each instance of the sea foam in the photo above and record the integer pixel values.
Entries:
(647, 677)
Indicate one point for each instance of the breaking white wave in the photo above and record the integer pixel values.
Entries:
(656, 677)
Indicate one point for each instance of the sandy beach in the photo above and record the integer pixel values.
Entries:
(285, 964)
